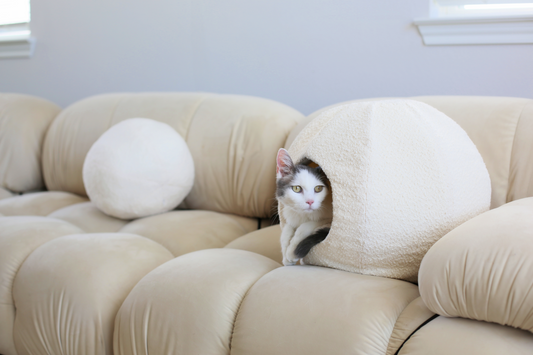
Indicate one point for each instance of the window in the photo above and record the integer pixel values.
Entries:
(15, 39)
(454, 22)
(469, 8)
(14, 12)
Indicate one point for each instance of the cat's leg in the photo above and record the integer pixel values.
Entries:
(286, 235)
(302, 232)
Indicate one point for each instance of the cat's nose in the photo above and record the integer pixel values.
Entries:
(309, 202)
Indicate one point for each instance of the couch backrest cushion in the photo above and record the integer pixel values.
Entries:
(233, 140)
(24, 121)
(500, 127)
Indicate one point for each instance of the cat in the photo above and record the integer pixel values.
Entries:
(307, 206)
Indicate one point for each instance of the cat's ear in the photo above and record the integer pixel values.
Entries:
(285, 166)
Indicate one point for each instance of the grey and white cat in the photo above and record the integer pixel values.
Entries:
(307, 207)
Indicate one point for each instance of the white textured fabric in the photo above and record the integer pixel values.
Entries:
(139, 167)
(402, 175)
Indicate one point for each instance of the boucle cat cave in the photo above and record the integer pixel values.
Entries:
(402, 175)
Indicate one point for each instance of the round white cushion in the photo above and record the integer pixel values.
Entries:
(402, 175)
(138, 167)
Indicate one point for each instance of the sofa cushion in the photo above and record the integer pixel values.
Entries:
(89, 218)
(447, 336)
(137, 168)
(402, 175)
(414, 316)
(264, 241)
(19, 237)
(183, 232)
(316, 310)
(24, 121)
(189, 304)
(69, 290)
(231, 138)
(483, 269)
(38, 203)
(5, 193)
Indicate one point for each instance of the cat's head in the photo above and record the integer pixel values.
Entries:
(299, 187)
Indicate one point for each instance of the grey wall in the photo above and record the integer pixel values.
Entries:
(305, 53)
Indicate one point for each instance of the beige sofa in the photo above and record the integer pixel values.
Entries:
(207, 278)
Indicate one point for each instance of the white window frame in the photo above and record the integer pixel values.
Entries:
(16, 40)
(450, 23)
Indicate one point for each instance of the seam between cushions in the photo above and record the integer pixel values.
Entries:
(193, 115)
(416, 330)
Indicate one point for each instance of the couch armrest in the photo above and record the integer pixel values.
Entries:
(483, 269)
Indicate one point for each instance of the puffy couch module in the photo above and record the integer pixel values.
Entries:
(24, 121)
(483, 269)
(231, 139)
(74, 266)
(19, 237)
(222, 299)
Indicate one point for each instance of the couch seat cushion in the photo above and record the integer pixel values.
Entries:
(38, 203)
(183, 232)
(316, 310)
(445, 336)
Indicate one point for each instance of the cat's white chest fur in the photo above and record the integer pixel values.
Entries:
(297, 218)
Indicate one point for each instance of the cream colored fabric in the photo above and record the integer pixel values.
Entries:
(24, 121)
(314, 310)
(500, 127)
(520, 176)
(263, 241)
(38, 203)
(78, 126)
(188, 306)
(232, 140)
(484, 268)
(138, 168)
(412, 317)
(402, 175)
(183, 232)
(491, 123)
(89, 218)
(69, 291)
(301, 125)
(456, 336)
(19, 237)
(5, 193)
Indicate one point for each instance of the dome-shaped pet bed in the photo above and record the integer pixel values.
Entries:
(402, 175)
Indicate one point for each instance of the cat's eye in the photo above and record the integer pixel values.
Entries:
(319, 188)
(297, 189)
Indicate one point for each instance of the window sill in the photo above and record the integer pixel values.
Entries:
(476, 30)
(16, 44)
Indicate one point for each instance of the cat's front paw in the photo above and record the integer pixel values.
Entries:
(287, 262)
(290, 255)
(289, 258)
